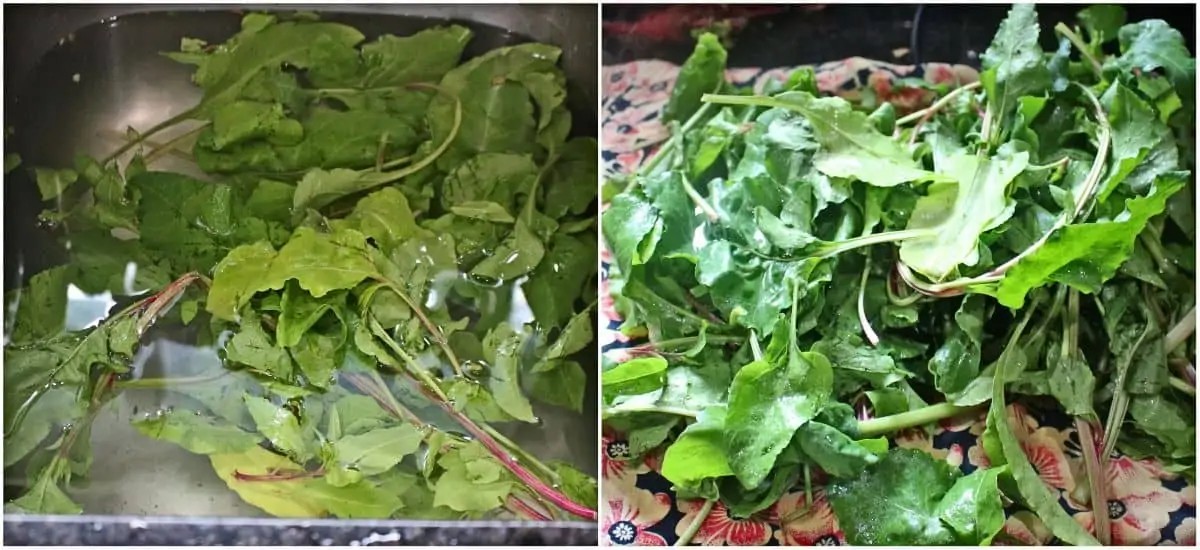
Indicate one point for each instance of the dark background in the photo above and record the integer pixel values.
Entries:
(805, 34)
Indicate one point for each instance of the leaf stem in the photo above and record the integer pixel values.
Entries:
(863, 321)
(433, 329)
(169, 146)
(838, 247)
(1075, 39)
(688, 341)
(888, 424)
(937, 105)
(1097, 481)
(1181, 331)
(685, 539)
(153, 130)
(675, 411)
(1182, 385)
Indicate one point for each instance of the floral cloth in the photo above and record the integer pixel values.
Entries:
(1147, 506)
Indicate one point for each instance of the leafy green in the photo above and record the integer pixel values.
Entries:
(334, 277)
(816, 274)
(702, 73)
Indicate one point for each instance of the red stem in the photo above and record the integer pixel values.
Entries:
(526, 477)
(523, 508)
(276, 476)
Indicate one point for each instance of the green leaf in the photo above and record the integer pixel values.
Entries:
(517, 255)
(955, 364)
(502, 348)
(11, 162)
(237, 278)
(702, 73)
(896, 501)
(471, 481)
(286, 498)
(489, 177)
(41, 307)
(1102, 22)
(279, 426)
(1142, 146)
(358, 500)
(299, 311)
(631, 229)
(51, 183)
(561, 278)
(196, 433)
(45, 496)
(1152, 44)
(252, 346)
(497, 91)
(634, 377)
(384, 216)
(1166, 422)
(699, 452)
(768, 402)
(961, 210)
(1085, 255)
(1072, 383)
(576, 485)
(377, 451)
(852, 357)
(423, 57)
(1013, 65)
(321, 263)
(851, 147)
(1037, 496)
(570, 183)
(560, 382)
(835, 452)
(973, 507)
(483, 210)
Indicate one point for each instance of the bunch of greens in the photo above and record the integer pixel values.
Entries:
(812, 277)
(395, 250)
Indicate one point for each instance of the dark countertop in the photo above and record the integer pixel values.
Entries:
(806, 34)
(122, 530)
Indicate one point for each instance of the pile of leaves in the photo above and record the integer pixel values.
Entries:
(813, 277)
(393, 250)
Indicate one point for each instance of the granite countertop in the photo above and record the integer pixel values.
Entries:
(128, 530)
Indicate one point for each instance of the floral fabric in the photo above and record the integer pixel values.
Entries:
(1147, 506)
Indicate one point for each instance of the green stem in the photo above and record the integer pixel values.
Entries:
(686, 538)
(888, 424)
(668, 148)
(169, 146)
(162, 383)
(1182, 385)
(412, 366)
(154, 130)
(937, 105)
(1075, 39)
(1051, 166)
(838, 247)
(689, 341)
(674, 411)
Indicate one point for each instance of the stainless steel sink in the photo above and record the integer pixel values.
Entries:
(78, 76)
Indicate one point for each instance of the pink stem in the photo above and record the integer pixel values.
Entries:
(513, 466)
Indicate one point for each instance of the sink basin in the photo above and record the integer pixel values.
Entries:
(77, 77)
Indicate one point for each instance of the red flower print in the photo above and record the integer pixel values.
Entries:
(1045, 451)
(801, 524)
(629, 513)
(1185, 534)
(720, 529)
(1024, 528)
(1136, 520)
(629, 162)
(978, 457)
(614, 457)
(920, 440)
